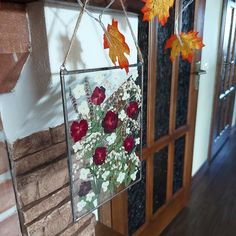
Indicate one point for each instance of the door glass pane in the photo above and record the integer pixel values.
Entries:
(137, 203)
(179, 164)
(184, 71)
(163, 83)
(159, 178)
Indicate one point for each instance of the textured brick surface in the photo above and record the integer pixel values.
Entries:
(30, 144)
(40, 164)
(52, 224)
(41, 183)
(47, 204)
(10, 226)
(58, 134)
(39, 158)
(4, 163)
(14, 34)
(81, 225)
(7, 196)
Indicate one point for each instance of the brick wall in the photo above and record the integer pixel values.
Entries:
(9, 223)
(39, 165)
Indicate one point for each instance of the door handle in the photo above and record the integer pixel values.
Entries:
(200, 72)
(197, 77)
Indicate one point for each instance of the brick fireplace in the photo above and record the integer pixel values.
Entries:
(39, 166)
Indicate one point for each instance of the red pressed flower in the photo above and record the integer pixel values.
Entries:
(129, 144)
(98, 95)
(84, 189)
(100, 156)
(78, 130)
(110, 122)
(132, 109)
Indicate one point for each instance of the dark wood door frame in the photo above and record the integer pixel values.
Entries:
(220, 61)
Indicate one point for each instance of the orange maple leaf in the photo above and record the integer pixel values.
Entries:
(190, 41)
(159, 8)
(117, 45)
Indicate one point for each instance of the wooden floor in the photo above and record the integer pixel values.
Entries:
(212, 208)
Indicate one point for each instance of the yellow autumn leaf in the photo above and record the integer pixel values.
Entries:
(190, 41)
(159, 8)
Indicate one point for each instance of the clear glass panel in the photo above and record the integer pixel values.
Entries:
(103, 108)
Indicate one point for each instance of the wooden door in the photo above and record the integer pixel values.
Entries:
(225, 80)
(170, 101)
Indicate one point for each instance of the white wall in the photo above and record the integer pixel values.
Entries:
(206, 90)
(234, 115)
(36, 103)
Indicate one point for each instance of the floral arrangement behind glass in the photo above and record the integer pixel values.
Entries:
(105, 138)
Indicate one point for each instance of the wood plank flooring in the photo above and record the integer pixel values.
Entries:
(212, 208)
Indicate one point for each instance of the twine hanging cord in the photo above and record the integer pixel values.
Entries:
(99, 20)
(177, 21)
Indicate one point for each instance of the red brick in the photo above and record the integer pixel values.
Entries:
(14, 34)
(39, 158)
(42, 182)
(86, 224)
(52, 224)
(58, 134)
(45, 205)
(4, 163)
(30, 144)
(10, 226)
(7, 196)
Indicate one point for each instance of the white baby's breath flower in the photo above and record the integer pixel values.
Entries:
(95, 202)
(105, 186)
(84, 174)
(137, 141)
(83, 108)
(121, 177)
(122, 115)
(133, 176)
(111, 139)
(128, 131)
(105, 175)
(125, 96)
(77, 146)
(89, 196)
(81, 205)
(125, 167)
(79, 91)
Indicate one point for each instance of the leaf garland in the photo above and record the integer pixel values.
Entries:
(190, 41)
(117, 46)
(157, 8)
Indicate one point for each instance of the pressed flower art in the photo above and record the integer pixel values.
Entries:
(104, 131)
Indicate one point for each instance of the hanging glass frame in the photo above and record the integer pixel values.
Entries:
(103, 122)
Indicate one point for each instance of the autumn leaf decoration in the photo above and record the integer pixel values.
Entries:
(115, 42)
(190, 41)
(159, 8)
